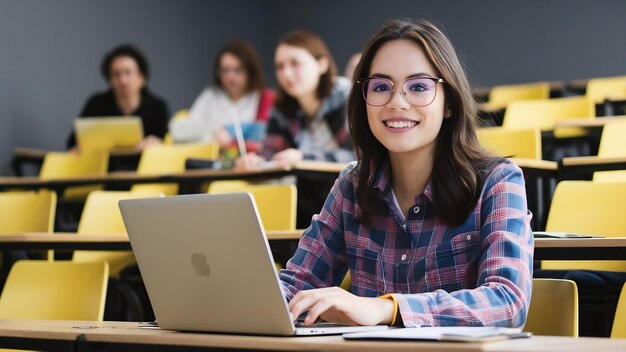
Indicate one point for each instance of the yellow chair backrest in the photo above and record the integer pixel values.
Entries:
(613, 141)
(612, 88)
(276, 203)
(519, 143)
(612, 144)
(619, 322)
(587, 207)
(168, 159)
(179, 115)
(553, 308)
(55, 291)
(543, 114)
(27, 211)
(501, 96)
(101, 215)
(61, 165)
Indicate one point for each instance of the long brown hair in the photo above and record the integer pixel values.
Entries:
(250, 61)
(460, 164)
(316, 46)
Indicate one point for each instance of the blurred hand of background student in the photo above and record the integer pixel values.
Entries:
(336, 305)
(222, 137)
(149, 140)
(250, 161)
(288, 157)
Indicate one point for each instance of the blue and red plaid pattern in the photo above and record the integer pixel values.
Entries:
(476, 274)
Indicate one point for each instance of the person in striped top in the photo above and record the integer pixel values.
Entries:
(433, 230)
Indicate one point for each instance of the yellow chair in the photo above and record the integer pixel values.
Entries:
(543, 114)
(62, 165)
(599, 89)
(276, 203)
(612, 144)
(553, 308)
(168, 159)
(27, 211)
(179, 115)
(501, 96)
(101, 215)
(619, 322)
(519, 143)
(55, 291)
(587, 207)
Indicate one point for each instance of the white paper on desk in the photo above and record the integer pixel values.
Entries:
(544, 234)
(448, 333)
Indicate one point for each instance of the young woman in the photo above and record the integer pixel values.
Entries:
(433, 230)
(238, 92)
(126, 70)
(309, 116)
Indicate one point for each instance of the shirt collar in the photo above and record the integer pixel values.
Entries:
(382, 182)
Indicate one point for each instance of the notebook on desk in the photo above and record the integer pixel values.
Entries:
(445, 333)
(105, 133)
(207, 265)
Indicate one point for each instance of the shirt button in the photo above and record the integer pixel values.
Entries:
(469, 237)
(403, 258)
(416, 209)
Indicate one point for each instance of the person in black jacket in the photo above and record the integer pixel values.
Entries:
(126, 70)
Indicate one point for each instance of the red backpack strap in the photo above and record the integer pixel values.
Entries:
(265, 104)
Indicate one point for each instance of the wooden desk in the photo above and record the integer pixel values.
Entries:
(303, 168)
(42, 335)
(610, 248)
(582, 167)
(128, 177)
(125, 336)
(589, 123)
(34, 156)
(73, 241)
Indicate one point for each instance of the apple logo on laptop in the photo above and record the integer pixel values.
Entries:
(200, 264)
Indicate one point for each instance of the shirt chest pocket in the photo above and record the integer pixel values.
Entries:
(453, 265)
(366, 271)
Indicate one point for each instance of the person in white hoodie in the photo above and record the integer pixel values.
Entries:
(238, 92)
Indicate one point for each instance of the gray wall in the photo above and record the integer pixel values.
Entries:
(50, 51)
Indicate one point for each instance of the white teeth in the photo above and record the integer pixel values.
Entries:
(400, 124)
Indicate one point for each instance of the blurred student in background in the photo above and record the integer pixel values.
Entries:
(351, 65)
(238, 92)
(126, 70)
(308, 120)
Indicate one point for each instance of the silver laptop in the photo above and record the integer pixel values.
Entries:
(207, 266)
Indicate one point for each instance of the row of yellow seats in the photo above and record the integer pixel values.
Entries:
(529, 106)
(526, 143)
(41, 289)
(34, 212)
(276, 204)
(164, 159)
(597, 90)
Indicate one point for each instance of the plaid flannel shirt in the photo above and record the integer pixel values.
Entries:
(476, 274)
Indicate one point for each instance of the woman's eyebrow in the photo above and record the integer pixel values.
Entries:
(414, 75)
(421, 74)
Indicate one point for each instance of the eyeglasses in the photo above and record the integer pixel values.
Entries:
(418, 91)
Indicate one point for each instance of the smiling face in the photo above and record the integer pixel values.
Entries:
(398, 125)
